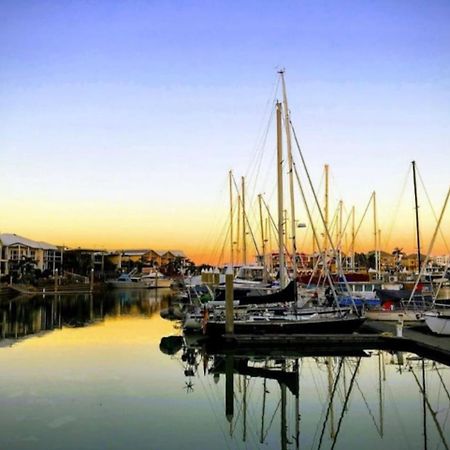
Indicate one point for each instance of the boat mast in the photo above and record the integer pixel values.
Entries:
(238, 232)
(244, 230)
(353, 238)
(430, 248)
(231, 218)
(280, 197)
(287, 125)
(325, 212)
(263, 240)
(375, 232)
(339, 234)
(419, 262)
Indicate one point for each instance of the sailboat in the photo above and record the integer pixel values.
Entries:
(283, 319)
(404, 304)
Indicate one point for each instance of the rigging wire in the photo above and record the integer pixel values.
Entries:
(247, 220)
(397, 208)
(432, 209)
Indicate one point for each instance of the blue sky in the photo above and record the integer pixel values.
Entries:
(142, 106)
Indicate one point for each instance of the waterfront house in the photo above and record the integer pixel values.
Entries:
(14, 249)
(152, 257)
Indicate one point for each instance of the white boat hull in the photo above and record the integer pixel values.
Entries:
(161, 283)
(128, 285)
(438, 324)
(395, 316)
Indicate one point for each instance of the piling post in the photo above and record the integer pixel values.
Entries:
(55, 276)
(229, 320)
(399, 328)
(217, 276)
(92, 280)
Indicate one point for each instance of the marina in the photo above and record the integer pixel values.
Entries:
(224, 225)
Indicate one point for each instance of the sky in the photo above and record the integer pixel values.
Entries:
(119, 120)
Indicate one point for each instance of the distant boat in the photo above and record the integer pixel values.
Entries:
(156, 279)
(129, 281)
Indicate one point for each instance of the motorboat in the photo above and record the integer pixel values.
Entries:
(129, 281)
(156, 279)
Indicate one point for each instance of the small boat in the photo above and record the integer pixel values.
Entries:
(438, 321)
(156, 279)
(129, 281)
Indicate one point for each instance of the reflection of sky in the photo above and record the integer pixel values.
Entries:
(108, 385)
(138, 109)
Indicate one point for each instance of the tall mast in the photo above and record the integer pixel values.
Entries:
(375, 232)
(238, 232)
(339, 233)
(263, 240)
(287, 125)
(419, 261)
(231, 218)
(353, 238)
(244, 229)
(325, 212)
(280, 197)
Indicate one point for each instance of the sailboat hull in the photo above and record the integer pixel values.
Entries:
(437, 323)
(306, 326)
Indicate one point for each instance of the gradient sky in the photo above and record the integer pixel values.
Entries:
(120, 120)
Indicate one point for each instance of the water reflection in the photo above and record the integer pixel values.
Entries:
(24, 316)
(371, 399)
(94, 372)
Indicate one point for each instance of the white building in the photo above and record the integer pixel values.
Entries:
(14, 248)
(441, 260)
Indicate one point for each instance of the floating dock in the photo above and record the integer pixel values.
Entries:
(372, 336)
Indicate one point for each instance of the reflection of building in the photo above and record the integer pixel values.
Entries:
(14, 249)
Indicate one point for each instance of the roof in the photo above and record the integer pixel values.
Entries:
(138, 252)
(177, 253)
(8, 239)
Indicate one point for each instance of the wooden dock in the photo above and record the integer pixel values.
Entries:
(373, 336)
(61, 290)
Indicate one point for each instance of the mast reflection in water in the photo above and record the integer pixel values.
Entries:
(371, 399)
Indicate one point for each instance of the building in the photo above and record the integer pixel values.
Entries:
(15, 249)
(82, 260)
(158, 258)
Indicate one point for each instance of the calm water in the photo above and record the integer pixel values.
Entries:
(90, 373)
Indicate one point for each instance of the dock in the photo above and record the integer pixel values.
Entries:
(61, 290)
(373, 335)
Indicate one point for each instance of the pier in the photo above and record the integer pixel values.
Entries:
(373, 335)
